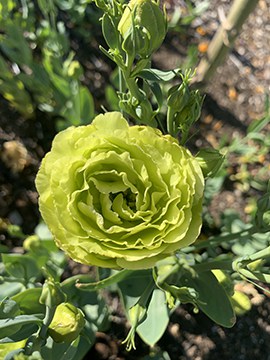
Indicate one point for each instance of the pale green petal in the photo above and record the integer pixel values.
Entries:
(119, 196)
(110, 122)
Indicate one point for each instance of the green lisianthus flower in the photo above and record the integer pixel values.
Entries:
(119, 196)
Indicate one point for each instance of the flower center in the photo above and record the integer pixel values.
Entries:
(128, 196)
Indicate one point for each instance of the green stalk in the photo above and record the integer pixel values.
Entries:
(36, 341)
(115, 278)
(133, 87)
(170, 122)
(120, 75)
(49, 314)
(262, 254)
(219, 240)
(212, 265)
(223, 40)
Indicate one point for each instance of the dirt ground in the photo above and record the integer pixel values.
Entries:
(234, 97)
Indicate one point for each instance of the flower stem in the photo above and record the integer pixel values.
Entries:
(217, 240)
(223, 39)
(35, 342)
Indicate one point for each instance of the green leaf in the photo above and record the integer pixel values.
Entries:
(8, 308)
(62, 86)
(10, 355)
(212, 298)
(157, 319)
(258, 125)
(86, 105)
(109, 32)
(112, 98)
(65, 351)
(249, 244)
(133, 286)
(24, 332)
(157, 75)
(137, 311)
(21, 266)
(47, 6)
(8, 289)
(3, 249)
(16, 47)
(43, 232)
(156, 89)
(14, 323)
(71, 351)
(28, 301)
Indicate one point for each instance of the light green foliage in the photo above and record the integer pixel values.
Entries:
(50, 82)
(27, 311)
(185, 13)
(120, 196)
(184, 283)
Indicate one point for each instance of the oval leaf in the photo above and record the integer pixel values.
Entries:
(157, 319)
(212, 298)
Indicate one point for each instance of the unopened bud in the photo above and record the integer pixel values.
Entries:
(192, 111)
(67, 323)
(52, 294)
(178, 97)
(144, 26)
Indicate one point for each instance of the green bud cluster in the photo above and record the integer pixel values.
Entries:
(133, 32)
(184, 107)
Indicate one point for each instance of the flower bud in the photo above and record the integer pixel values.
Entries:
(210, 161)
(144, 25)
(178, 97)
(191, 112)
(67, 323)
(52, 294)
